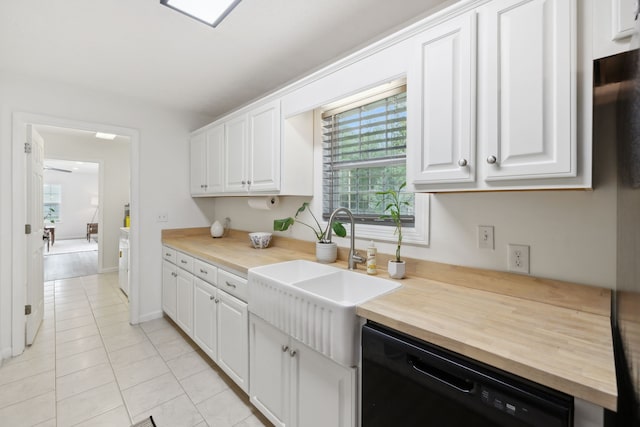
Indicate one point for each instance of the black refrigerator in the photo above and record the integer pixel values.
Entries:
(617, 102)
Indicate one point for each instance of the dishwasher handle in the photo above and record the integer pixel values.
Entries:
(461, 384)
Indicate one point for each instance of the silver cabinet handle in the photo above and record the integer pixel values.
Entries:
(217, 300)
(174, 274)
(285, 348)
(491, 159)
(168, 254)
(211, 298)
(231, 285)
(203, 271)
(462, 163)
(183, 261)
(249, 182)
(292, 353)
(244, 182)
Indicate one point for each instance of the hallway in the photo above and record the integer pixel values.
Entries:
(90, 367)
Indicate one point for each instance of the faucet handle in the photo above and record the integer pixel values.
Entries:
(357, 258)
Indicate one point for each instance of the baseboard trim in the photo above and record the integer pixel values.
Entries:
(5, 353)
(150, 316)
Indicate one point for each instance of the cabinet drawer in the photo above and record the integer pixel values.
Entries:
(232, 284)
(184, 261)
(206, 272)
(169, 254)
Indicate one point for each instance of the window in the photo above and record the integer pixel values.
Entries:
(364, 151)
(52, 200)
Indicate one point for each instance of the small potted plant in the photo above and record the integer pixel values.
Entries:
(396, 267)
(326, 252)
(49, 215)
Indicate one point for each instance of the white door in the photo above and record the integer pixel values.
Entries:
(441, 100)
(169, 297)
(215, 160)
(35, 261)
(184, 301)
(528, 84)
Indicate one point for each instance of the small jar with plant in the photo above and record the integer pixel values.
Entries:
(326, 251)
(394, 204)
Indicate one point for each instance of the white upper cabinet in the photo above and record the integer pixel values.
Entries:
(442, 101)
(528, 82)
(207, 161)
(252, 148)
(236, 155)
(493, 99)
(613, 27)
(264, 148)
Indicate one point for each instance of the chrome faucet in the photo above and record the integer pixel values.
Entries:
(354, 257)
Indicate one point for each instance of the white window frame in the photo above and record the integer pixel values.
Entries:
(418, 235)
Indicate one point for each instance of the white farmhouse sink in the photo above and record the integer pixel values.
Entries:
(315, 304)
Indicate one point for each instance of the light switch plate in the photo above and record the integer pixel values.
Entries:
(485, 237)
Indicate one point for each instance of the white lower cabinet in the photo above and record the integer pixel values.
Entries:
(293, 385)
(184, 301)
(205, 318)
(169, 279)
(233, 345)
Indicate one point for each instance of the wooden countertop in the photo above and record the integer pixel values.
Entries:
(555, 333)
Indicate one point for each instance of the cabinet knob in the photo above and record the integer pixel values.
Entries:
(244, 182)
(462, 163)
(217, 300)
(292, 353)
(249, 182)
(285, 348)
(211, 298)
(491, 160)
(183, 261)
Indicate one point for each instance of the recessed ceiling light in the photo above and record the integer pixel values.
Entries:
(102, 135)
(79, 163)
(211, 12)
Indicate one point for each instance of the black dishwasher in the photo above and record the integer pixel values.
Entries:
(407, 382)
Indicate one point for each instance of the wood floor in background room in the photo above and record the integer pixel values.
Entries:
(65, 266)
(90, 367)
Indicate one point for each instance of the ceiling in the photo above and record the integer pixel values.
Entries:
(69, 165)
(144, 50)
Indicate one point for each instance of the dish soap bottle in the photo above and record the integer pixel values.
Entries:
(372, 267)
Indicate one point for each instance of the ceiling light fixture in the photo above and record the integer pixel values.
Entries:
(109, 136)
(211, 12)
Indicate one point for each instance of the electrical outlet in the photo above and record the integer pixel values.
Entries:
(163, 217)
(485, 237)
(518, 258)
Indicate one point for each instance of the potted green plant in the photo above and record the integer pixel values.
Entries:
(325, 251)
(49, 215)
(396, 267)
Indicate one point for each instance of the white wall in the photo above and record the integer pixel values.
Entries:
(75, 208)
(163, 173)
(571, 233)
(114, 158)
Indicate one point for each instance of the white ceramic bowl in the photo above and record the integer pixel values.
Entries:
(260, 240)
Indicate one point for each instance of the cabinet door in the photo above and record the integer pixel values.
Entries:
(442, 98)
(264, 148)
(169, 278)
(528, 79)
(235, 153)
(233, 339)
(214, 160)
(184, 306)
(623, 22)
(323, 392)
(197, 151)
(205, 318)
(269, 370)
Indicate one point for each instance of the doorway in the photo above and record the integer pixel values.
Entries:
(70, 210)
(110, 213)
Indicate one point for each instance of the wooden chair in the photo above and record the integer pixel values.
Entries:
(92, 228)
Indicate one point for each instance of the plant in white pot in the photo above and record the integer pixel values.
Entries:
(396, 267)
(326, 251)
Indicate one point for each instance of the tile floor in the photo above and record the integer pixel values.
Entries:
(90, 367)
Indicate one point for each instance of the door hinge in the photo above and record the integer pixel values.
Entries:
(27, 309)
(27, 148)
(27, 229)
